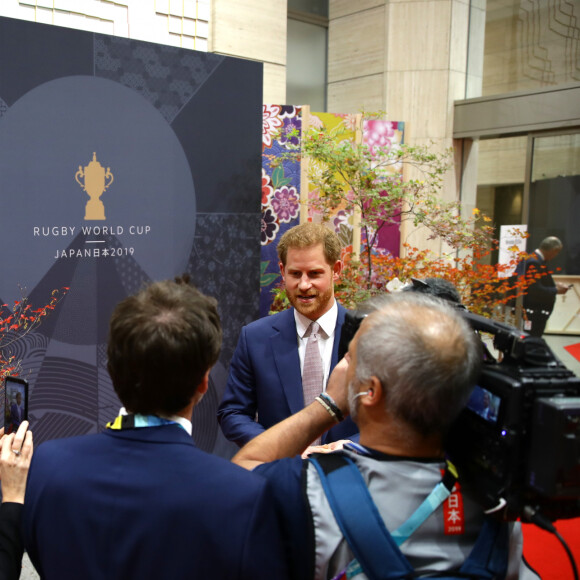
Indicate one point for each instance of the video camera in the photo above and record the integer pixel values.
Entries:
(516, 444)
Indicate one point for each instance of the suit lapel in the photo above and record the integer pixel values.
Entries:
(337, 330)
(285, 351)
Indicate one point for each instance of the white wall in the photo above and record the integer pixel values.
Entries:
(183, 23)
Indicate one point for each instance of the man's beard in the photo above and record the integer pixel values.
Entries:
(319, 304)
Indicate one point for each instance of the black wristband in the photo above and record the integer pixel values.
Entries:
(330, 402)
(320, 400)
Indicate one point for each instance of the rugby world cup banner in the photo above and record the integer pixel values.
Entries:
(122, 162)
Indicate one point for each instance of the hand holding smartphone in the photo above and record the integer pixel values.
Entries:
(15, 403)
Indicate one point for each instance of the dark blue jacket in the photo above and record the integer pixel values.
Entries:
(146, 503)
(265, 379)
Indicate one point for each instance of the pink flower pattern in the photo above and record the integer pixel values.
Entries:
(286, 203)
(342, 218)
(378, 134)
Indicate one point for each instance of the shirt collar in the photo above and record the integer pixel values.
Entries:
(327, 321)
(185, 423)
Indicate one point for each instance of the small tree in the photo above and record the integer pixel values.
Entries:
(364, 178)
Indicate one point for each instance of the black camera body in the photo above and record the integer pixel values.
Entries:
(517, 442)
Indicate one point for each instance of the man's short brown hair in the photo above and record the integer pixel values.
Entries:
(162, 341)
(307, 235)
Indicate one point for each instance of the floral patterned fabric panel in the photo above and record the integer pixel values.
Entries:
(389, 134)
(376, 133)
(280, 190)
(281, 131)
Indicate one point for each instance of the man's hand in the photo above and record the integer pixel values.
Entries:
(15, 455)
(292, 436)
(326, 448)
(337, 386)
(562, 288)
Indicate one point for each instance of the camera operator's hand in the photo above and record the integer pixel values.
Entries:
(326, 448)
(293, 435)
(337, 386)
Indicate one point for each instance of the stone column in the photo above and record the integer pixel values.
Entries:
(408, 58)
(256, 30)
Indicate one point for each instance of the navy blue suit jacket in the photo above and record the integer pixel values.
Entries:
(541, 294)
(265, 379)
(146, 503)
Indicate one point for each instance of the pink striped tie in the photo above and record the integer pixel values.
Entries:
(313, 373)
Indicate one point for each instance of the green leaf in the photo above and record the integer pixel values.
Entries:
(278, 179)
(267, 279)
(345, 235)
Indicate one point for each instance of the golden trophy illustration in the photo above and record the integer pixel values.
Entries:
(96, 182)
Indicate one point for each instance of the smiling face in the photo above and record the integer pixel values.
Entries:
(309, 280)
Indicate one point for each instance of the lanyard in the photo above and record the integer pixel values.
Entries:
(138, 421)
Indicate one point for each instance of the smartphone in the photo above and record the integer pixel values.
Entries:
(15, 402)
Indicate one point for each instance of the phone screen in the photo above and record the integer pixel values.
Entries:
(15, 402)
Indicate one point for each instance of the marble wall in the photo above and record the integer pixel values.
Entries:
(407, 58)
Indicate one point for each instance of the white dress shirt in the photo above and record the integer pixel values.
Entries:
(327, 324)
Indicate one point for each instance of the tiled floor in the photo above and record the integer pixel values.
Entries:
(28, 571)
(557, 342)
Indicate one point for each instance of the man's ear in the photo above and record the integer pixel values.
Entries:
(204, 384)
(336, 270)
(281, 269)
(374, 392)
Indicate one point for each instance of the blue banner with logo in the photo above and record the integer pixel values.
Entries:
(121, 162)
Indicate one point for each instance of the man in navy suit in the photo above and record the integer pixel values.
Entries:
(540, 296)
(265, 381)
(139, 500)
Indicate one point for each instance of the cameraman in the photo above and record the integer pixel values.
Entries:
(409, 371)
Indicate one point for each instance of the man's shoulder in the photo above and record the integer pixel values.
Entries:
(82, 443)
(535, 260)
(271, 321)
(281, 321)
(281, 468)
(285, 479)
(188, 460)
(62, 454)
(284, 317)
